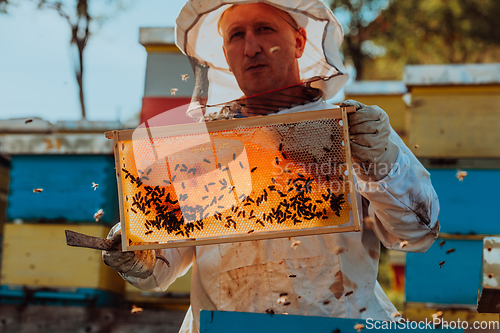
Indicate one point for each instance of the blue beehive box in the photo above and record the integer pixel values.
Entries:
(454, 282)
(67, 194)
(468, 206)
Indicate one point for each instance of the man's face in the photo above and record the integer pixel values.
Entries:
(261, 47)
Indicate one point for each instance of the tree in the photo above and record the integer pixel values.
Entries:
(357, 15)
(434, 32)
(80, 20)
(3, 6)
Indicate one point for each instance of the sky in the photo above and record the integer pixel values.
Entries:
(36, 70)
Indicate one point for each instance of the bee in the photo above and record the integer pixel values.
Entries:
(37, 190)
(461, 175)
(362, 310)
(270, 311)
(98, 215)
(292, 275)
(450, 251)
(274, 49)
(396, 314)
(442, 243)
(359, 327)
(349, 293)
(441, 264)
(437, 314)
(28, 121)
(403, 244)
(415, 146)
(135, 309)
(326, 302)
(173, 91)
(184, 77)
(281, 300)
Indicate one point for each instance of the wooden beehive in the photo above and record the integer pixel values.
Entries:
(36, 255)
(455, 110)
(235, 180)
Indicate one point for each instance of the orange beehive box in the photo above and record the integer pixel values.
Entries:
(235, 180)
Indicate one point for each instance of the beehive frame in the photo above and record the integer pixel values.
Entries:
(204, 183)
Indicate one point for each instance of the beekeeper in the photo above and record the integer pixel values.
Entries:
(266, 48)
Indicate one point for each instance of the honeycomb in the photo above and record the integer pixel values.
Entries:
(248, 180)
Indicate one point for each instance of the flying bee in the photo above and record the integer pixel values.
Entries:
(437, 314)
(274, 49)
(98, 215)
(359, 327)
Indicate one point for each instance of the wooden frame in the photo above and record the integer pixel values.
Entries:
(228, 125)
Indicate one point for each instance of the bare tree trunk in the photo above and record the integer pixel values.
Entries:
(79, 78)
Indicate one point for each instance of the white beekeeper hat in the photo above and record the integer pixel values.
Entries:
(198, 37)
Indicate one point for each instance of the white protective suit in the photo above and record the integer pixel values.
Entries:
(318, 274)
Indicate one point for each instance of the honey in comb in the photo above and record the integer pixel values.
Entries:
(237, 183)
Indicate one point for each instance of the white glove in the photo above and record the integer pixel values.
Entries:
(371, 148)
(132, 263)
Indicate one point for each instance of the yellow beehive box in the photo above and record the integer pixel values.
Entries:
(455, 110)
(36, 255)
(388, 95)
